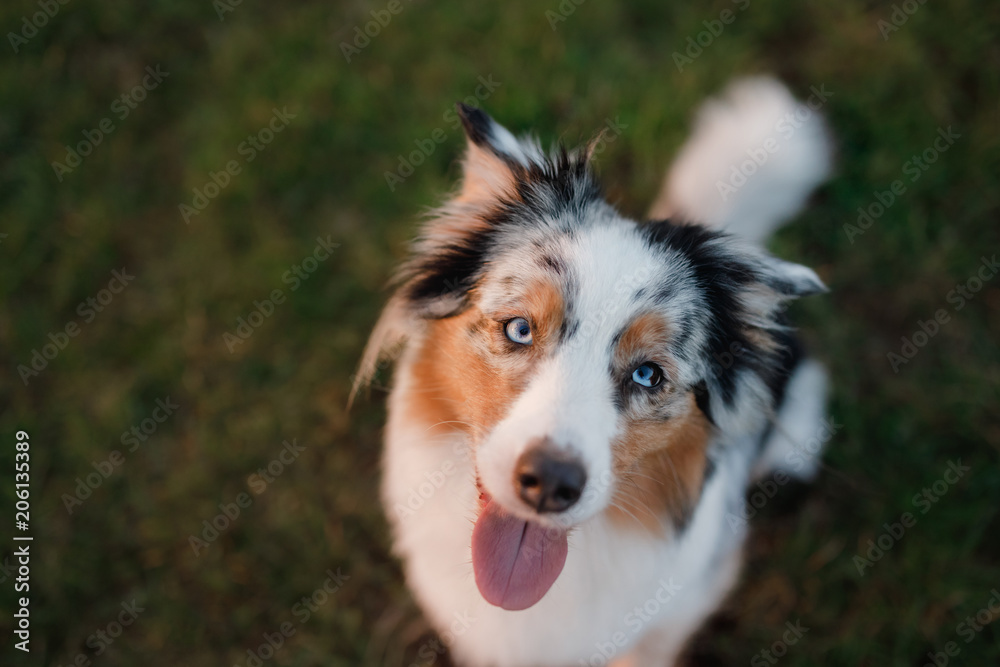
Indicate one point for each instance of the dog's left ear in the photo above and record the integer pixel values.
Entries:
(454, 244)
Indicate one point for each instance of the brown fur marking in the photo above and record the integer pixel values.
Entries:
(660, 463)
(466, 372)
(661, 467)
(646, 338)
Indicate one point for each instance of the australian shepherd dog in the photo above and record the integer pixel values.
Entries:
(581, 400)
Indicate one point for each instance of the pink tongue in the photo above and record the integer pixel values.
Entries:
(515, 561)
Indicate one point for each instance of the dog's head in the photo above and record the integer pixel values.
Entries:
(588, 357)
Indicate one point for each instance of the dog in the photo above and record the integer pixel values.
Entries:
(580, 400)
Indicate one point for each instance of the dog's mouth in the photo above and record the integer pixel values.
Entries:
(515, 561)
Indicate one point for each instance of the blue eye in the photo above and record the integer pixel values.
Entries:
(518, 331)
(648, 375)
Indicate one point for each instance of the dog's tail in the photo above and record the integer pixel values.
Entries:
(753, 158)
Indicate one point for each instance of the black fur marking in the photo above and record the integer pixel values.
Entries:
(721, 277)
(617, 338)
(448, 272)
(710, 468)
(709, 472)
(703, 401)
(570, 323)
(619, 396)
(789, 357)
(554, 263)
(477, 123)
(558, 183)
(568, 329)
(437, 281)
(683, 335)
(683, 520)
(665, 293)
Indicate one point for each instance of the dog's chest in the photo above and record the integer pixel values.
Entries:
(618, 582)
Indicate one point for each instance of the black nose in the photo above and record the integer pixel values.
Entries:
(548, 480)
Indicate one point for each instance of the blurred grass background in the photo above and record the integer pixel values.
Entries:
(324, 175)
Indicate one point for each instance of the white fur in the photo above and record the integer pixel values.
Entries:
(612, 569)
(567, 399)
(626, 596)
(618, 579)
(799, 432)
(749, 115)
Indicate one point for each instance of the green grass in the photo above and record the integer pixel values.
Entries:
(324, 174)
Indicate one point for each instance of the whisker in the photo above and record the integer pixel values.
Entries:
(622, 509)
(636, 503)
(652, 479)
(673, 468)
(451, 421)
